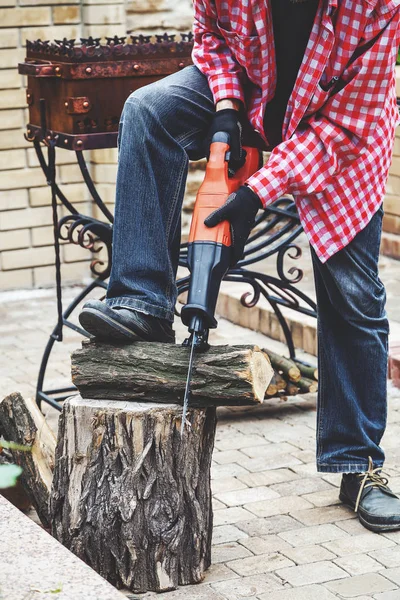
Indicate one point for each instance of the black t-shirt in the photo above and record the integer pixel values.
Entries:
(292, 24)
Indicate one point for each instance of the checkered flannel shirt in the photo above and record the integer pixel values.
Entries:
(340, 120)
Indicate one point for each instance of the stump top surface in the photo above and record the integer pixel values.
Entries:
(131, 406)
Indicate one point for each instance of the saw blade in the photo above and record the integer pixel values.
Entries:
(188, 382)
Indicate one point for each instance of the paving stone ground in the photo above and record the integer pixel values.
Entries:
(279, 530)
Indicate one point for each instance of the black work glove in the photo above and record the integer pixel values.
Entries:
(228, 120)
(240, 210)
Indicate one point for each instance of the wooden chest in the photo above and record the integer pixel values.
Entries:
(76, 92)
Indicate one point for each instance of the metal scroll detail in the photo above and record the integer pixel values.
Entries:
(271, 247)
(274, 233)
(83, 230)
(89, 233)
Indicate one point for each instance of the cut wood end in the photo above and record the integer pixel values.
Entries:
(294, 374)
(261, 373)
(272, 390)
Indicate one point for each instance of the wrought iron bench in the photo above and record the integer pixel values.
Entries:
(64, 113)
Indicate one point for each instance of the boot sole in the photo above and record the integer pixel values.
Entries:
(371, 526)
(106, 328)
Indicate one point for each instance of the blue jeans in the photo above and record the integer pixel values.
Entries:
(162, 127)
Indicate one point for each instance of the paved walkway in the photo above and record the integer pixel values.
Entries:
(279, 532)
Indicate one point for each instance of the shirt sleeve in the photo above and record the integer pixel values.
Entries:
(328, 142)
(212, 55)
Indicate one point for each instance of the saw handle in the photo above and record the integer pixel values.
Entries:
(216, 188)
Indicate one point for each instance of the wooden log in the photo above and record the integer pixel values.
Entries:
(272, 389)
(131, 497)
(153, 372)
(307, 385)
(281, 383)
(284, 365)
(278, 384)
(22, 422)
(307, 371)
(292, 389)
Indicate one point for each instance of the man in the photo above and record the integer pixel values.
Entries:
(315, 79)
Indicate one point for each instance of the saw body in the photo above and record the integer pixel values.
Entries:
(209, 249)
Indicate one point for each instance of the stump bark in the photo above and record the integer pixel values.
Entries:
(130, 496)
(224, 375)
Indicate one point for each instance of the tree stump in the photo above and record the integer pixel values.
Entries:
(130, 496)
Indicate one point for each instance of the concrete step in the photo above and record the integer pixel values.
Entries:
(35, 564)
(262, 318)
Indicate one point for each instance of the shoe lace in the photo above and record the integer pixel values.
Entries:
(374, 479)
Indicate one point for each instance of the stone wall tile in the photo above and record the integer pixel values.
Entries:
(18, 17)
(11, 119)
(12, 159)
(66, 14)
(9, 38)
(10, 240)
(31, 257)
(13, 199)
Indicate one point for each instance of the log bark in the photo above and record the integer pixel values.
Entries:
(153, 372)
(131, 497)
(22, 422)
(277, 385)
(292, 389)
(281, 383)
(307, 371)
(307, 385)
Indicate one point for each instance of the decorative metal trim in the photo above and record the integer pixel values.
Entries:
(275, 230)
(91, 234)
(116, 48)
(69, 141)
(103, 70)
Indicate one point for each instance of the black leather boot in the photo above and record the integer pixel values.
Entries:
(378, 508)
(124, 324)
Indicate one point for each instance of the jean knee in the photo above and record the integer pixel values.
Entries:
(363, 303)
(150, 101)
(145, 95)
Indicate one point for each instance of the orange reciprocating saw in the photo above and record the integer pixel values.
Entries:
(209, 249)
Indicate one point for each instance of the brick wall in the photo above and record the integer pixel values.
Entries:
(26, 253)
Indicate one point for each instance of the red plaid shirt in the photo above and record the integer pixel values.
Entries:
(340, 121)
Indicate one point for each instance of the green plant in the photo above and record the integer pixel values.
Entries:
(9, 473)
